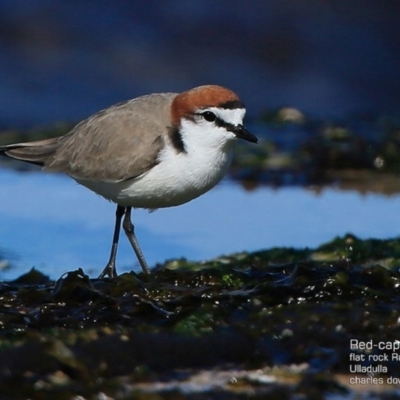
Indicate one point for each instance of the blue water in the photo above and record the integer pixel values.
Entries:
(50, 222)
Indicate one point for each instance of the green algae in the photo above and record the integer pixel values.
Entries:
(256, 311)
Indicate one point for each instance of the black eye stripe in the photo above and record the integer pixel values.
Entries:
(223, 124)
(217, 121)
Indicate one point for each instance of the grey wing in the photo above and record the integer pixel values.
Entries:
(115, 144)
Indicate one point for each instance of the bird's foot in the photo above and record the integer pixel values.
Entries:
(109, 271)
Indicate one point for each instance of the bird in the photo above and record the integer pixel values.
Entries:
(154, 151)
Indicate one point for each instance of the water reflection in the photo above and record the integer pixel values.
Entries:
(50, 222)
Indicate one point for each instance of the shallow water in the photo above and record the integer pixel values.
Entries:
(51, 223)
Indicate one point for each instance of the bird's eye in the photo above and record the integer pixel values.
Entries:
(209, 116)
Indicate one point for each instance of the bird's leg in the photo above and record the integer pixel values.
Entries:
(130, 233)
(110, 267)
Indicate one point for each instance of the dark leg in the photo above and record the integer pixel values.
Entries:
(130, 233)
(110, 267)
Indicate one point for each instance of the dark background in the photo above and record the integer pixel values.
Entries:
(64, 60)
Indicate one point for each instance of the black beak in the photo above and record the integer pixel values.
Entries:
(242, 133)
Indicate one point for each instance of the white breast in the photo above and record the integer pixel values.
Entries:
(179, 176)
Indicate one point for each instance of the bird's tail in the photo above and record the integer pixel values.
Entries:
(37, 152)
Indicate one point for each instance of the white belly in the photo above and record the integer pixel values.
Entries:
(176, 179)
